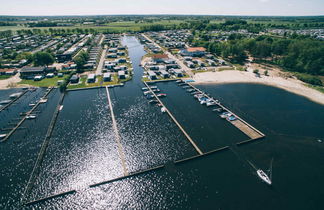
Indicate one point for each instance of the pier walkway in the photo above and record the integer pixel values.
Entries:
(239, 123)
(42, 151)
(120, 147)
(24, 118)
(176, 122)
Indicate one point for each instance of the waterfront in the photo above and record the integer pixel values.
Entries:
(83, 150)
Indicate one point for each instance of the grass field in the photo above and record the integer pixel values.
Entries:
(111, 27)
(47, 82)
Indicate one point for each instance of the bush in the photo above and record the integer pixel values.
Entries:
(310, 79)
(256, 71)
(266, 73)
(65, 82)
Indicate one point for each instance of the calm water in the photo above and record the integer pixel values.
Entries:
(83, 150)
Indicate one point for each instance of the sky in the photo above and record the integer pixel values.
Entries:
(192, 7)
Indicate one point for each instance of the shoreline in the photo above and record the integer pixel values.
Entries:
(291, 85)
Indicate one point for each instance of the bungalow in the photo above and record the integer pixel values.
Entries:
(120, 53)
(112, 50)
(91, 78)
(211, 62)
(50, 75)
(107, 77)
(112, 55)
(190, 64)
(8, 71)
(160, 58)
(38, 78)
(194, 51)
(74, 79)
(152, 75)
(164, 74)
(28, 72)
(121, 75)
(121, 60)
(178, 73)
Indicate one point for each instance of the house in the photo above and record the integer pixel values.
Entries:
(190, 64)
(91, 78)
(28, 72)
(74, 79)
(112, 50)
(121, 75)
(152, 75)
(112, 55)
(107, 77)
(211, 62)
(194, 51)
(160, 58)
(178, 73)
(8, 71)
(121, 60)
(164, 74)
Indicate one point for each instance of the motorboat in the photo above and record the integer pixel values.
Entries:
(163, 109)
(160, 95)
(153, 101)
(31, 116)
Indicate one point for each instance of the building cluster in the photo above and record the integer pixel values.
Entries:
(117, 61)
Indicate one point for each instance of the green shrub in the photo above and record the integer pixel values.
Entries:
(310, 79)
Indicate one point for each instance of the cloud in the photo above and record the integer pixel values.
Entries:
(264, 1)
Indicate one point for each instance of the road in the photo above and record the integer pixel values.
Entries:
(102, 60)
(180, 63)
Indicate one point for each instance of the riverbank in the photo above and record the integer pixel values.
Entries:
(275, 78)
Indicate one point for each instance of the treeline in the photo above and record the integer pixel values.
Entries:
(7, 24)
(298, 55)
(42, 24)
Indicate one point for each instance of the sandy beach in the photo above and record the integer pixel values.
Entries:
(276, 78)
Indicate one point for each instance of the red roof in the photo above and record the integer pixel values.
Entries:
(5, 70)
(195, 49)
(160, 56)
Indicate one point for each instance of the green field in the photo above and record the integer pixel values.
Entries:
(111, 27)
(47, 82)
(2, 77)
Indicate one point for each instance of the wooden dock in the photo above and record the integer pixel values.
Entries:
(42, 151)
(24, 118)
(120, 147)
(13, 101)
(239, 123)
(176, 122)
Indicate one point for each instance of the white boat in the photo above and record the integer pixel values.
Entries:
(31, 104)
(31, 117)
(61, 107)
(2, 136)
(5, 102)
(43, 100)
(15, 95)
(264, 176)
(163, 109)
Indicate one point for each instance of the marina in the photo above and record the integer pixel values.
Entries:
(117, 141)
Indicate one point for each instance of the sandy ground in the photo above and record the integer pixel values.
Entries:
(11, 82)
(276, 78)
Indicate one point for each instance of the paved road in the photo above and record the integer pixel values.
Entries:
(181, 64)
(102, 60)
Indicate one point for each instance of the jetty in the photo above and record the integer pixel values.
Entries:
(25, 117)
(43, 149)
(239, 123)
(120, 147)
(13, 101)
(175, 121)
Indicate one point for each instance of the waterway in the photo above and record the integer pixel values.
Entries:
(83, 150)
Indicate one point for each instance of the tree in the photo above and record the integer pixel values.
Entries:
(80, 60)
(43, 59)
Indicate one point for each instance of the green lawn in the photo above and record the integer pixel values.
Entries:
(2, 77)
(47, 82)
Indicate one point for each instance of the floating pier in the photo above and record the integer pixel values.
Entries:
(42, 151)
(14, 100)
(175, 121)
(239, 123)
(24, 118)
(120, 147)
